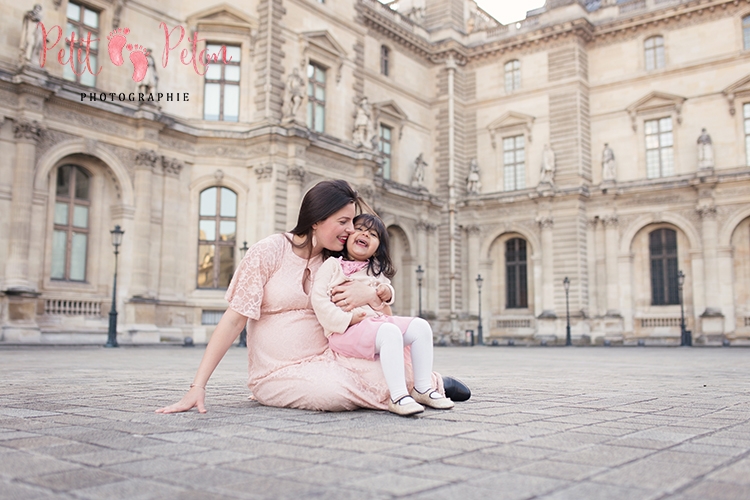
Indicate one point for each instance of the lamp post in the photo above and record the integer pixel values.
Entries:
(112, 333)
(566, 284)
(420, 277)
(684, 334)
(243, 333)
(480, 338)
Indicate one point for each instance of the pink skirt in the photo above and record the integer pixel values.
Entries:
(358, 341)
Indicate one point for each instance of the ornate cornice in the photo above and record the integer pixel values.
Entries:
(27, 130)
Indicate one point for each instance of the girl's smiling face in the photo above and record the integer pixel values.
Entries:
(362, 243)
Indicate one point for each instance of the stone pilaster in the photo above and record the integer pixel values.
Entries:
(591, 227)
(546, 224)
(145, 163)
(611, 238)
(295, 177)
(712, 320)
(472, 234)
(170, 226)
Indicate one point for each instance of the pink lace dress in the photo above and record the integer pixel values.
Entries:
(289, 362)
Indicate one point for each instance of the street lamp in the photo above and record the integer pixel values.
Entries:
(243, 335)
(480, 339)
(685, 337)
(420, 277)
(112, 333)
(566, 284)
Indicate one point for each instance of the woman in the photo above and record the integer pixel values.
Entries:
(290, 364)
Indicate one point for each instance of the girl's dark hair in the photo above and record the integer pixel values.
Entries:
(380, 262)
(320, 202)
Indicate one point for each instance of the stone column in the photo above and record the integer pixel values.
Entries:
(430, 297)
(473, 264)
(591, 262)
(295, 177)
(611, 238)
(264, 224)
(27, 134)
(712, 320)
(145, 163)
(170, 227)
(548, 272)
(422, 260)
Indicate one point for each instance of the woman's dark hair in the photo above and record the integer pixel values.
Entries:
(380, 262)
(320, 202)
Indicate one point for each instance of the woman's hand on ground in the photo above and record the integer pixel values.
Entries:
(353, 294)
(195, 397)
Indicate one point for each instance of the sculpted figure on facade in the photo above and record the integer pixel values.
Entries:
(548, 166)
(609, 167)
(417, 178)
(31, 36)
(117, 13)
(473, 184)
(705, 150)
(295, 94)
(151, 79)
(364, 132)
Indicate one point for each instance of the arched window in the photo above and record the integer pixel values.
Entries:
(217, 229)
(516, 290)
(654, 49)
(384, 60)
(512, 75)
(746, 32)
(663, 256)
(71, 224)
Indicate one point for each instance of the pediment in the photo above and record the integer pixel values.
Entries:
(222, 15)
(391, 109)
(740, 88)
(324, 41)
(511, 120)
(656, 100)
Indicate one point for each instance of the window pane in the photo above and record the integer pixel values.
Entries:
(387, 168)
(320, 75)
(68, 73)
(320, 93)
(651, 126)
(667, 162)
(63, 181)
(212, 100)
(90, 18)
(206, 266)
(208, 202)
(234, 52)
(78, 257)
(231, 102)
(652, 163)
(746, 37)
(213, 72)
(319, 118)
(228, 203)
(87, 78)
(80, 216)
(386, 148)
(520, 176)
(74, 11)
(309, 114)
(665, 140)
(207, 230)
(61, 213)
(232, 73)
(310, 71)
(59, 240)
(226, 266)
(82, 185)
(509, 178)
(652, 141)
(213, 48)
(70, 28)
(665, 124)
(228, 230)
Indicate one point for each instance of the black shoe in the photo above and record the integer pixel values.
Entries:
(455, 389)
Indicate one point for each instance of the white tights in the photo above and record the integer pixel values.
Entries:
(389, 343)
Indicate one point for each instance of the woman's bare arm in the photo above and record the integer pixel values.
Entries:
(224, 335)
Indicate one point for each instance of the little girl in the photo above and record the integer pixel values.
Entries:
(365, 332)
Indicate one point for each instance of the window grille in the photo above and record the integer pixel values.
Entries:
(385, 54)
(514, 163)
(386, 144)
(221, 100)
(211, 317)
(81, 21)
(316, 98)
(217, 233)
(663, 253)
(659, 148)
(512, 75)
(654, 52)
(515, 274)
(71, 224)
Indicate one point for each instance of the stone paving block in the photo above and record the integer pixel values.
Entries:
(486, 461)
(214, 457)
(19, 491)
(268, 465)
(604, 454)
(11, 434)
(710, 449)
(559, 470)
(130, 489)
(653, 474)
(25, 413)
(714, 490)
(374, 461)
(459, 443)
(568, 441)
(30, 443)
(587, 490)
(105, 457)
(511, 486)
(396, 484)
(151, 467)
(738, 473)
(269, 487)
(520, 450)
(421, 451)
(74, 479)
(20, 464)
(325, 474)
(361, 445)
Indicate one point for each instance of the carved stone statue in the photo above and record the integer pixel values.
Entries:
(417, 178)
(151, 79)
(705, 150)
(295, 93)
(364, 132)
(548, 166)
(473, 185)
(609, 167)
(31, 36)
(117, 13)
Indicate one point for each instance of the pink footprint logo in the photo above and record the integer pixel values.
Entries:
(140, 62)
(116, 43)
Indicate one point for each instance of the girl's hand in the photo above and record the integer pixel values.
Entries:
(353, 294)
(357, 316)
(194, 398)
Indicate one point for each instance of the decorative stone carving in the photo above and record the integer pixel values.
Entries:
(264, 171)
(364, 131)
(609, 167)
(705, 150)
(706, 211)
(473, 230)
(147, 157)
(417, 178)
(295, 174)
(610, 220)
(545, 222)
(548, 166)
(31, 36)
(295, 94)
(171, 166)
(29, 130)
(473, 184)
(219, 175)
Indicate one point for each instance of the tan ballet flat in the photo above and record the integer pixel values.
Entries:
(404, 409)
(428, 399)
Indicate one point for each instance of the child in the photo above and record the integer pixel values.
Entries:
(365, 332)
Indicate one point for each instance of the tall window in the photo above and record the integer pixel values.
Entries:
(663, 252)
(81, 21)
(386, 144)
(316, 98)
(654, 48)
(221, 100)
(514, 163)
(746, 32)
(384, 59)
(512, 75)
(746, 115)
(515, 274)
(217, 230)
(659, 148)
(71, 224)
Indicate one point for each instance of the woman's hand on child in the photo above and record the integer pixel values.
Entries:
(353, 294)
(195, 397)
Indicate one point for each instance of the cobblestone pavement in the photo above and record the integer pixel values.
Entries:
(545, 423)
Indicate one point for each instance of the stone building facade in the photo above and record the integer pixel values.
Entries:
(569, 145)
